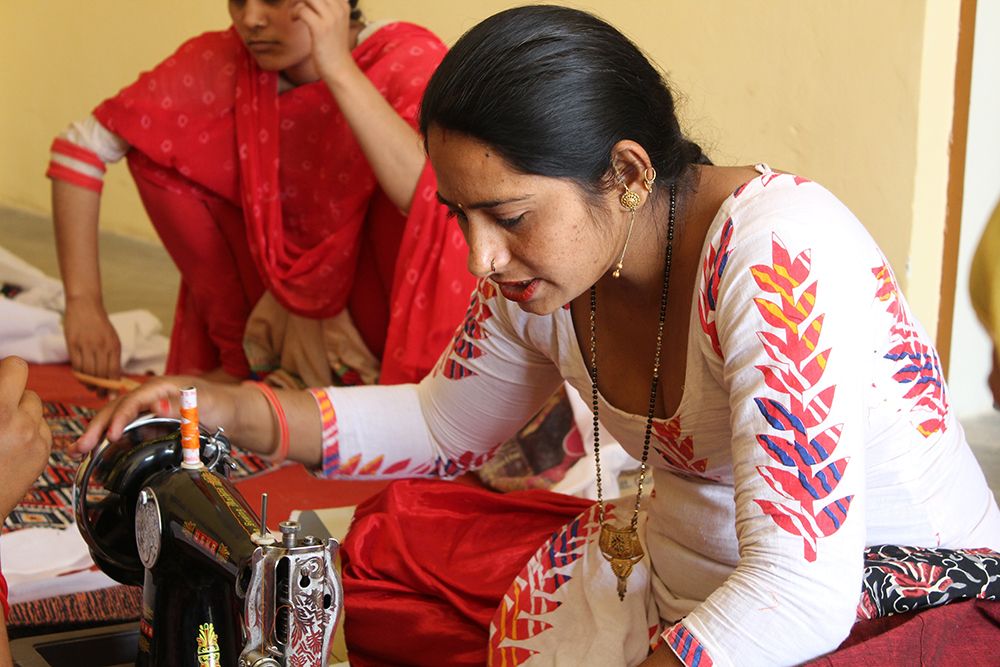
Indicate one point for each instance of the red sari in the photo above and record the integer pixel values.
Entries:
(252, 190)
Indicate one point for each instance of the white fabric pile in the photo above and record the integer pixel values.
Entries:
(31, 322)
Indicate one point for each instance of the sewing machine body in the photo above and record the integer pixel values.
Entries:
(217, 591)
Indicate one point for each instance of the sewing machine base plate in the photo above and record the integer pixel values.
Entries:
(108, 646)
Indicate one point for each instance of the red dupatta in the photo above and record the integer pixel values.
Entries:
(290, 161)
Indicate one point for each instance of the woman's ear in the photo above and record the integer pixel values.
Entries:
(629, 161)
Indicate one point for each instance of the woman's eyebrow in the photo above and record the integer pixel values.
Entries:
(492, 203)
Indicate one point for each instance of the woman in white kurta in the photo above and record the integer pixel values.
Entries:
(798, 414)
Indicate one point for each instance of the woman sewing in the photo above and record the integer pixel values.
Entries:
(279, 164)
(735, 328)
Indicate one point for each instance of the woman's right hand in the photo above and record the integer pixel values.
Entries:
(93, 344)
(161, 396)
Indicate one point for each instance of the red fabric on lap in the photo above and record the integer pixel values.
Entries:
(427, 562)
(960, 634)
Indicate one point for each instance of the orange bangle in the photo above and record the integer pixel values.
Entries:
(281, 453)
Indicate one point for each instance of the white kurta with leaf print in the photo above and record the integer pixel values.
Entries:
(814, 421)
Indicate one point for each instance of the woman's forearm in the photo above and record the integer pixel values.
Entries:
(257, 427)
(392, 147)
(75, 212)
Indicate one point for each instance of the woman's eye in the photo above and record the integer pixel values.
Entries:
(510, 222)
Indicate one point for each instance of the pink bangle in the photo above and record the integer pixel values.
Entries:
(281, 453)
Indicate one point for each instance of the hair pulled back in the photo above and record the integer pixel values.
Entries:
(553, 89)
(356, 14)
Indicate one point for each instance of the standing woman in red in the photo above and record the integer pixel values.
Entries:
(279, 164)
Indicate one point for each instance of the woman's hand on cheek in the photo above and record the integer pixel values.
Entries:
(329, 24)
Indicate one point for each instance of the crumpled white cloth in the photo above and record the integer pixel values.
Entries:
(43, 562)
(31, 322)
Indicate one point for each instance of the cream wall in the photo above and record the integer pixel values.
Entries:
(60, 58)
(970, 346)
(836, 91)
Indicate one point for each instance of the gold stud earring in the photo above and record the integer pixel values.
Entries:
(648, 176)
(629, 200)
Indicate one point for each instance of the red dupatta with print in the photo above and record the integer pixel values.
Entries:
(290, 161)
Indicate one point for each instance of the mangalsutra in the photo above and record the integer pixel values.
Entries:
(621, 546)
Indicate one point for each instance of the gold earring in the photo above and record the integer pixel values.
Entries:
(630, 200)
(648, 178)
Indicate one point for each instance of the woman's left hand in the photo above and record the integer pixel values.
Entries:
(329, 23)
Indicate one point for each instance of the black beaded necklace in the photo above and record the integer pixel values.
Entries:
(621, 546)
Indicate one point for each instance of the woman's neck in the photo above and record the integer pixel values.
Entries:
(641, 279)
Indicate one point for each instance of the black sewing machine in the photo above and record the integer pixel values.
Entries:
(218, 589)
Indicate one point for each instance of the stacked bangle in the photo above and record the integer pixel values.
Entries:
(281, 452)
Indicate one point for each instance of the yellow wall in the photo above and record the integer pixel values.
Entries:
(60, 58)
(836, 91)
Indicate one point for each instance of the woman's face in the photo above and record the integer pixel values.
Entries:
(275, 39)
(546, 241)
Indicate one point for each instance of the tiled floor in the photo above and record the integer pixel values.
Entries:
(139, 274)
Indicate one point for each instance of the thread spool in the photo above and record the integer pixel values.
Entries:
(190, 440)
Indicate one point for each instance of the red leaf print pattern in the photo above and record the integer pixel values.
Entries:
(521, 613)
(807, 476)
(354, 466)
(464, 345)
(442, 467)
(676, 451)
(917, 363)
(711, 276)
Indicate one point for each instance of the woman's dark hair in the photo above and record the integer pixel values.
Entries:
(552, 90)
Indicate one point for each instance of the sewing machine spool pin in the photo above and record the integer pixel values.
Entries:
(263, 537)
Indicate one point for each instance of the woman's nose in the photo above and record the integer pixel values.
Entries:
(486, 251)
(253, 14)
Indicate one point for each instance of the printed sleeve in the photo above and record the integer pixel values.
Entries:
(486, 385)
(786, 327)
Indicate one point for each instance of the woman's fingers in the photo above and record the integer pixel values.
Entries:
(45, 433)
(13, 379)
(116, 415)
(92, 434)
(32, 405)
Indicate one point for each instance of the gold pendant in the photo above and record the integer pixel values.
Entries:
(621, 548)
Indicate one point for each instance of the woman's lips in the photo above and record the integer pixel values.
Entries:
(262, 46)
(519, 292)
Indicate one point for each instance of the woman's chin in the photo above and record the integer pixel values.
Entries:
(540, 305)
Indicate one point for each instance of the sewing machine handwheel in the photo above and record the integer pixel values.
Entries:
(108, 482)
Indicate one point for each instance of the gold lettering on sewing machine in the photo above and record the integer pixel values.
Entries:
(206, 542)
(208, 646)
(232, 504)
